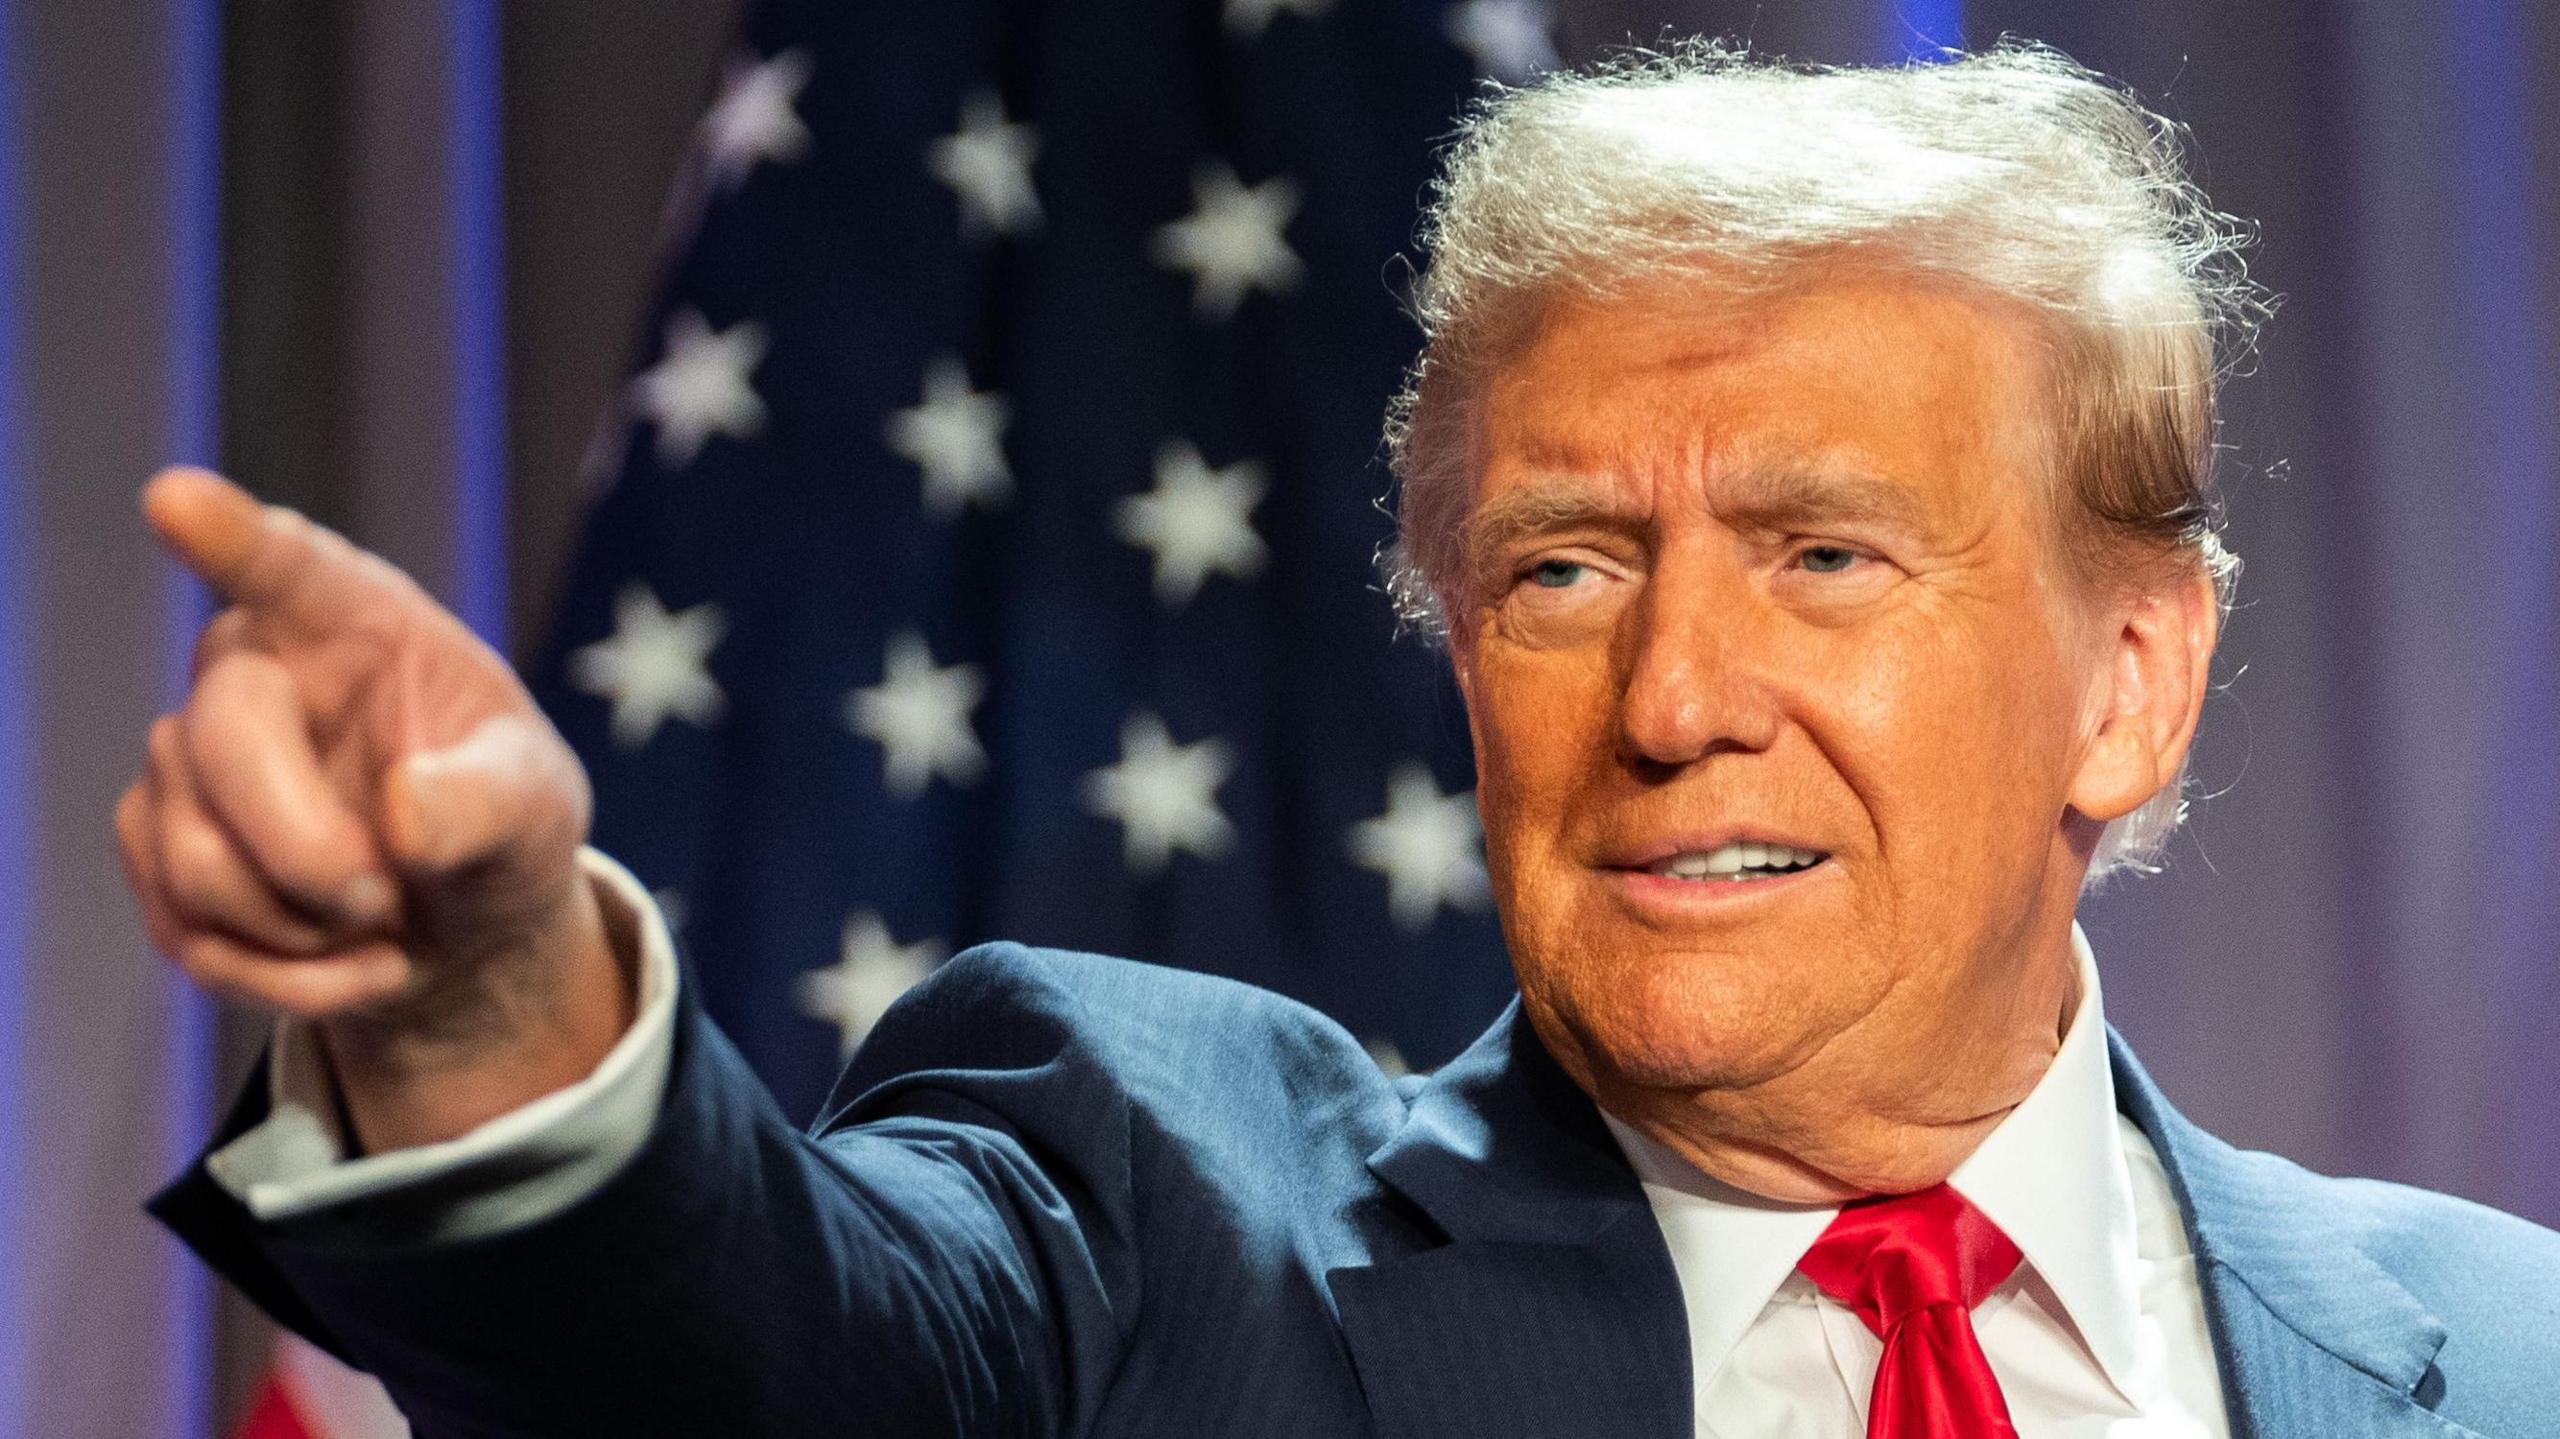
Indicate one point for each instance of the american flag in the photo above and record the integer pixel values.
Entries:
(985, 548)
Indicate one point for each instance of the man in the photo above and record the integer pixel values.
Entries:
(1809, 471)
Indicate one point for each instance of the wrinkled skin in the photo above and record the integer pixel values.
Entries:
(1789, 569)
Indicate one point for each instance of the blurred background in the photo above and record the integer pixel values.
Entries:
(927, 462)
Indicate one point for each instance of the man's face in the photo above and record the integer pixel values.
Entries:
(1779, 575)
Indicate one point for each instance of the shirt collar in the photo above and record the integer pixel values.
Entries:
(2051, 1174)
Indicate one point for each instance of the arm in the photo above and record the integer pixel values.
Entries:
(952, 1256)
(360, 821)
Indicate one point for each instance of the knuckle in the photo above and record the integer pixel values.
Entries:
(164, 741)
(197, 865)
(231, 694)
(225, 632)
(132, 816)
(306, 1001)
(206, 960)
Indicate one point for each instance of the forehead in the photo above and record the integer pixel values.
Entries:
(1878, 378)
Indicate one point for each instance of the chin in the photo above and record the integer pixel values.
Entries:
(1683, 1022)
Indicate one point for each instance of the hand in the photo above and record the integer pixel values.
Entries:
(359, 817)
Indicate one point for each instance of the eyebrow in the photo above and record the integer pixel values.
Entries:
(1772, 498)
(1796, 496)
(1541, 508)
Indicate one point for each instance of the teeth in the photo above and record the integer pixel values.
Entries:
(1731, 861)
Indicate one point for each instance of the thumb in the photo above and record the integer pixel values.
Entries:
(507, 792)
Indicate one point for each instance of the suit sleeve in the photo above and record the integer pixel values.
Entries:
(950, 1255)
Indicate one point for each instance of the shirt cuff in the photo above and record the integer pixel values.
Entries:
(519, 1168)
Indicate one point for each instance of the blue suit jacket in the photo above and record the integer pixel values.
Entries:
(1060, 1194)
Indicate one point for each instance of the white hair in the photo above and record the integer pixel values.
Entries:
(2013, 173)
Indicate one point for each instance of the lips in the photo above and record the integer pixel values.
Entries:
(1729, 855)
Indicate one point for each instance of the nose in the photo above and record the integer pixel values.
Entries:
(1692, 666)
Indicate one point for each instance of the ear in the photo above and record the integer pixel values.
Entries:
(2158, 662)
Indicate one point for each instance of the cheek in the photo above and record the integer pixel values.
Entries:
(1956, 736)
(1540, 723)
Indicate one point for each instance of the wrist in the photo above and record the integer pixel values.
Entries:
(480, 1039)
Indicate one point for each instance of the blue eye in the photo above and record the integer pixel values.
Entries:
(1826, 559)
(1555, 574)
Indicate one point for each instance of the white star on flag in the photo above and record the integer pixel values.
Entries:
(754, 120)
(699, 387)
(869, 974)
(1426, 846)
(1196, 520)
(1510, 39)
(653, 666)
(1231, 241)
(957, 438)
(1163, 795)
(987, 163)
(920, 716)
(1249, 18)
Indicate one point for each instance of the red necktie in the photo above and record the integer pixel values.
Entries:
(1913, 1266)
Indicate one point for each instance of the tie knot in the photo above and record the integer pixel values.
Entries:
(1891, 1257)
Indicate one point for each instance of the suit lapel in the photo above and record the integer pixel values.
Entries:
(1553, 1307)
(2312, 1336)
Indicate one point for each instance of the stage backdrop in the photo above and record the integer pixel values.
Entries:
(395, 261)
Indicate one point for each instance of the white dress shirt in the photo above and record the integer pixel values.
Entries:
(2101, 1330)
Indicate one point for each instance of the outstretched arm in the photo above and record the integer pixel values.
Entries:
(359, 817)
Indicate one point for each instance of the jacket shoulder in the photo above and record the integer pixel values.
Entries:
(2491, 1278)
(1180, 1050)
(2483, 1271)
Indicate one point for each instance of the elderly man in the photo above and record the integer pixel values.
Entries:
(1809, 473)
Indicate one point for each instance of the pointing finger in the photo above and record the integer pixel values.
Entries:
(249, 750)
(221, 532)
(266, 558)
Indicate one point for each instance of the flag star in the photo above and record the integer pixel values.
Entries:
(653, 666)
(755, 119)
(1196, 520)
(699, 387)
(1510, 39)
(1249, 18)
(870, 972)
(920, 716)
(987, 163)
(1163, 795)
(1426, 846)
(1231, 241)
(957, 438)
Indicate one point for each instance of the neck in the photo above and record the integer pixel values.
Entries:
(1892, 1104)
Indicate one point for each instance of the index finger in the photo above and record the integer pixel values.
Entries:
(261, 557)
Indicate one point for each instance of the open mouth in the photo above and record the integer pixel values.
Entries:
(1736, 863)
